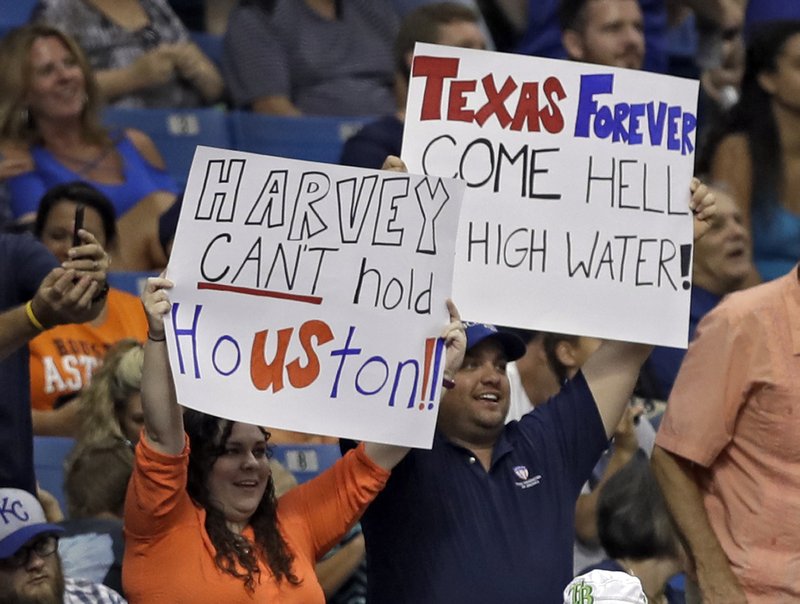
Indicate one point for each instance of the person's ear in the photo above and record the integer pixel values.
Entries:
(573, 44)
(565, 353)
(766, 79)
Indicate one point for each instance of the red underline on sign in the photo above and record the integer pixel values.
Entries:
(265, 293)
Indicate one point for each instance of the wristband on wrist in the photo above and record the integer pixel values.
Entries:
(152, 339)
(448, 382)
(32, 317)
(102, 294)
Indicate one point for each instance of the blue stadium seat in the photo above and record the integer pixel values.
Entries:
(306, 461)
(176, 132)
(210, 44)
(132, 282)
(49, 454)
(308, 137)
(15, 13)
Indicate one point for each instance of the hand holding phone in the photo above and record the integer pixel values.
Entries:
(76, 240)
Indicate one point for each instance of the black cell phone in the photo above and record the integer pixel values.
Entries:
(76, 240)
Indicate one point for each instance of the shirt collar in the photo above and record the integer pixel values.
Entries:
(500, 449)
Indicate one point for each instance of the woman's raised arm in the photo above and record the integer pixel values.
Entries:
(163, 417)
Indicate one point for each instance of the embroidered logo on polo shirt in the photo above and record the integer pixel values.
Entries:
(524, 482)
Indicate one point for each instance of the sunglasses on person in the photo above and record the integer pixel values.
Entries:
(43, 547)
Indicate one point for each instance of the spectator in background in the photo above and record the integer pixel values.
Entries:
(37, 294)
(604, 32)
(636, 532)
(99, 466)
(726, 452)
(50, 134)
(64, 358)
(543, 38)
(324, 57)
(722, 264)
(721, 57)
(530, 377)
(110, 407)
(30, 567)
(448, 23)
(139, 50)
(92, 545)
(757, 152)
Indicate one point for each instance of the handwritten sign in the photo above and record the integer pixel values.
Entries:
(310, 297)
(576, 214)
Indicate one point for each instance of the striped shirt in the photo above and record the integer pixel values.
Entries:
(81, 591)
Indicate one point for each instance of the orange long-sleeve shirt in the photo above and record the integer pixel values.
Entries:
(170, 558)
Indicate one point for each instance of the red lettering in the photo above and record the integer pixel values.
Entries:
(527, 108)
(301, 376)
(263, 374)
(434, 70)
(455, 108)
(552, 117)
(495, 101)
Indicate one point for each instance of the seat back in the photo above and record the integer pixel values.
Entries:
(176, 132)
(308, 137)
(14, 13)
(306, 461)
(49, 455)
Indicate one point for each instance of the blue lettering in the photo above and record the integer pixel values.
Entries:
(621, 112)
(591, 85)
(384, 364)
(238, 355)
(344, 352)
(673, 141)
(603, 123)
(13, 509)
(413, 396)
(634, 136)
(192, 332)
(655, 122)
(689, 126)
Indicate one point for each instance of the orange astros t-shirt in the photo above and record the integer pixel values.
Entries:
(63, 358)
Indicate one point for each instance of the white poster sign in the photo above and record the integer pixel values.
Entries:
(576, 215)
(310, 297)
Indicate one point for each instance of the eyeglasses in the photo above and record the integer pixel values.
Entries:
(44, 547)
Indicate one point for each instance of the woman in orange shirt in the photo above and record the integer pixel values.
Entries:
(201, 520)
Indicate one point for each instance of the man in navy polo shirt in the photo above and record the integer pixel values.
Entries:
(487, 515)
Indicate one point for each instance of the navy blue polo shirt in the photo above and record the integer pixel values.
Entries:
(445, 530)
(24, 262)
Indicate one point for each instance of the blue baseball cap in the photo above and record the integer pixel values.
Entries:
(512, 345)
(21, 519)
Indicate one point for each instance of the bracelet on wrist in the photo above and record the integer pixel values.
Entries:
(152, 339)
(32, 317)
(102, 294)
(448, 382)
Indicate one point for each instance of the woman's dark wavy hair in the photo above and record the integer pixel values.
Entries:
(208, 436)
(753, 116)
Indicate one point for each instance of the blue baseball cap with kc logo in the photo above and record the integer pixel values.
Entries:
(512, 345)
(21, 519)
